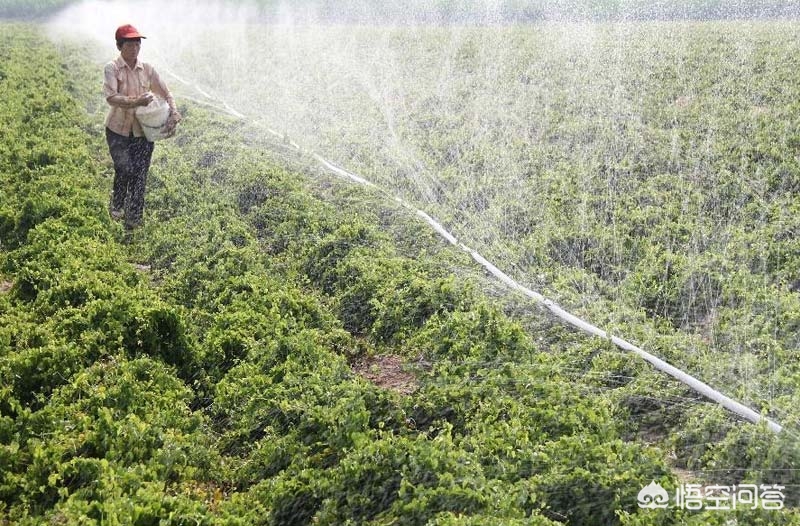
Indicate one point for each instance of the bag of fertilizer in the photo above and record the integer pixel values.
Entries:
(154, 118)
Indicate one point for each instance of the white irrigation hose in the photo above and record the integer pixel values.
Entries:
(701, 387)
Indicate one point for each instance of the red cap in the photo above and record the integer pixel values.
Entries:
(127, 31)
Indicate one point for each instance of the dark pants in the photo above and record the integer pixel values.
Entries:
(131, 157)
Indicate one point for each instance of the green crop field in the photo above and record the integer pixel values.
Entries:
(277, 345)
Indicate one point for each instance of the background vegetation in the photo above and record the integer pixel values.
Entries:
(28, 8)
(507, 10)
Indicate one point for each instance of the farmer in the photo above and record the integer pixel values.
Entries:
(128, 84)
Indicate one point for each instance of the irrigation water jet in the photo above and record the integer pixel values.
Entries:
(455, 113)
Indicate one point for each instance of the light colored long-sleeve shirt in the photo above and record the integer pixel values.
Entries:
(121, 79)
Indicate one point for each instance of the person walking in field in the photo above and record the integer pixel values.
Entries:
(128, 84)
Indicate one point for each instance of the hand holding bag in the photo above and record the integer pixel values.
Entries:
(154, 119)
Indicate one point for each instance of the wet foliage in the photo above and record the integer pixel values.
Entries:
(199, 372)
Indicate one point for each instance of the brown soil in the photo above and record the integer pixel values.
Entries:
(685, 476)
(5, 286)
(386, 372)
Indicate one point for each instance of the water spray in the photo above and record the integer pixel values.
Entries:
(219, 103)
(562, 314)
